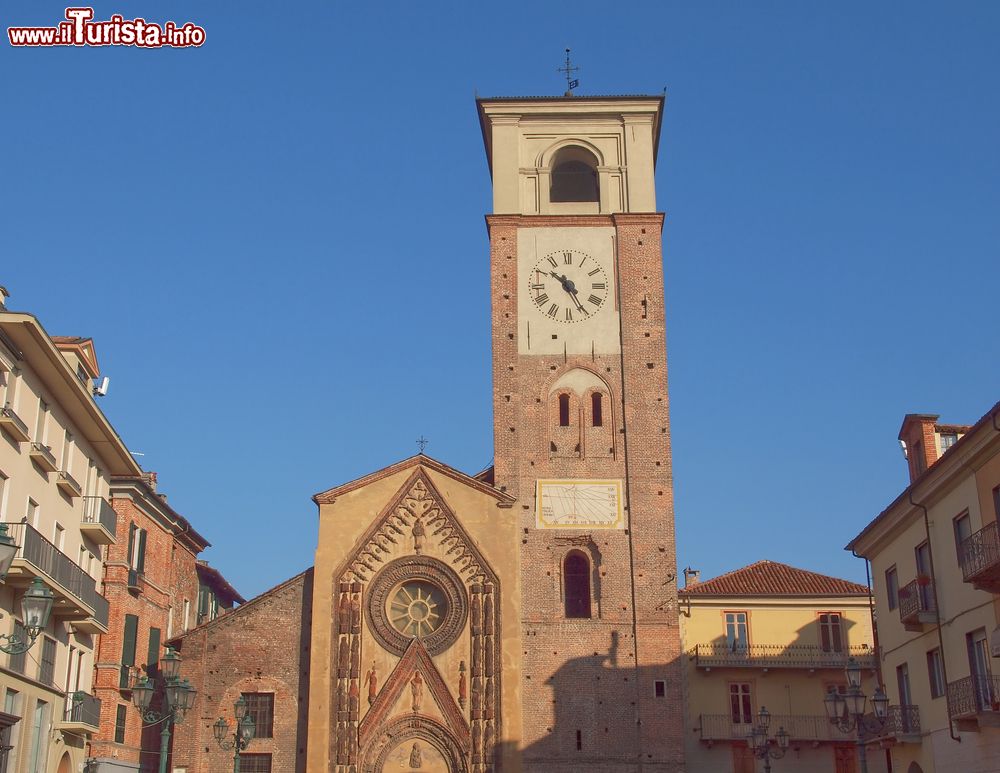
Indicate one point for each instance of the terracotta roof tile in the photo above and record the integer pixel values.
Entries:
(770, 578)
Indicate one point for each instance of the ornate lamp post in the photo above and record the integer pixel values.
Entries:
(178, 697)
(761, 745)
(8, 549)
(242, 734)
(847, 712)
(36, 606)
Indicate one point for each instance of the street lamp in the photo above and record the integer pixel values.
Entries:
(242, 735)
(847, 712)
(36, 606)
(761, 745)
(8, 549)
(178, 695)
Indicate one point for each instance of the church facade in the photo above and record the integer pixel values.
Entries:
(523, 619)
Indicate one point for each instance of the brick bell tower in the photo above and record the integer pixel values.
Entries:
(581, 428)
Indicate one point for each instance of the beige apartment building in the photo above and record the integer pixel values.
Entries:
(57, 455)
(775, 636)
(935, 559)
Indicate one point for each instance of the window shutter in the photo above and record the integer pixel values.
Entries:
(140, 563)
(202, 602)
(128, 649)
(153, 654)
(824, 629)
(131, 545)
(838, 645)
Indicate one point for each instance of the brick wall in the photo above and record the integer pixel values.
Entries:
(261, 647)
(169, 576)
(595, 677)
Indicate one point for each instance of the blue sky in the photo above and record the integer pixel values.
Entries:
(277, 242)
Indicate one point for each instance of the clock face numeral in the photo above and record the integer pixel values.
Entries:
(557, 285)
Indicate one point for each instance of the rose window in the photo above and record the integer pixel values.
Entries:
(417, 608)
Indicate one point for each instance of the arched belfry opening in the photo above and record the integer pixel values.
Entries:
(574, 176)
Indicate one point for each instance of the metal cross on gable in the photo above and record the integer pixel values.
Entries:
(569, 69)
(422, 443)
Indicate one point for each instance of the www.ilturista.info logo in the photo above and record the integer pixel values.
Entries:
(80, 30)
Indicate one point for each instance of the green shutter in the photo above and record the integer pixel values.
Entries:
(140, 564)
(203, 592)
(128, 649)
(131, 544)
(153, 655)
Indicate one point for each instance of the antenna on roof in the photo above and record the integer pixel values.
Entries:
(571, 82)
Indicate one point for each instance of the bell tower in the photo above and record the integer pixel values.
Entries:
(581, 427)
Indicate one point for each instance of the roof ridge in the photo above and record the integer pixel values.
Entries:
(776, 578)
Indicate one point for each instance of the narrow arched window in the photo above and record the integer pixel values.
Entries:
(574, 176)
(563, 410)
(576, 584)
(596, 409)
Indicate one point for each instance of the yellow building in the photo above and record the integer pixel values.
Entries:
(771, 635)
(57, 455)
(935, 560)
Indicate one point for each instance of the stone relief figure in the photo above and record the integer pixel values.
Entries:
(415, 758)
(371, 680)
(418, 536)
(417, 689)
(463, 686)
(356, 613)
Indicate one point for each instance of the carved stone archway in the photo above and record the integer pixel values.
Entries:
(417, 728)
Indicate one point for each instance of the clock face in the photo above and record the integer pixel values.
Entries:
(579, 504)
(568, 286)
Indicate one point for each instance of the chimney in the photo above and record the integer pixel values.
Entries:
(919, 442)
(691, 577)
(150, 480)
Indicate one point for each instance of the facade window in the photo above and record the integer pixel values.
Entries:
(830, 632)
(260, 707)
(903, 684)
(41, 421)
(38, 744)
(737, 633)
(576, 584)
(128, 651)
(3, 496)
(892, 587)
(935, 672)
(32, 515)
(963, 530)
(47, 663)
(121, 712)
(660, 688)
(948, 439)
(996, 502)
(136, 549)
(563, 410)
(574, 176)
(255, 763)
(11, 705)
(596, 409)
(187, 614)
(740, 703)
(67, 452)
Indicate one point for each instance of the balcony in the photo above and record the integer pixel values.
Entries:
(68, 484)
(801, 728)
(76, 596)
(979, 555)
(11, 423)
(917, 610)
(974, 702)
(100, 521)
(768, 656)
(902, 725)
(42, 455)
(82, 713)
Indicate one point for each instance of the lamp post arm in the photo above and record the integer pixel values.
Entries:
(13, 644)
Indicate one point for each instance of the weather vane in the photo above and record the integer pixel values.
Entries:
(571, 82)
(422, 443)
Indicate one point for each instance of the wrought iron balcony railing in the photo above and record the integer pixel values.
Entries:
(916, 602)
(974, 695)
(61, 570)
(979, 555)
(97, 511)
(800, 727)
(82, 709)
(802, 656)
(43, 456)
(901, 722)
(68, 483)
(12, 423)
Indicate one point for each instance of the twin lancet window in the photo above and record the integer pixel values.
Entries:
(596, 410)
